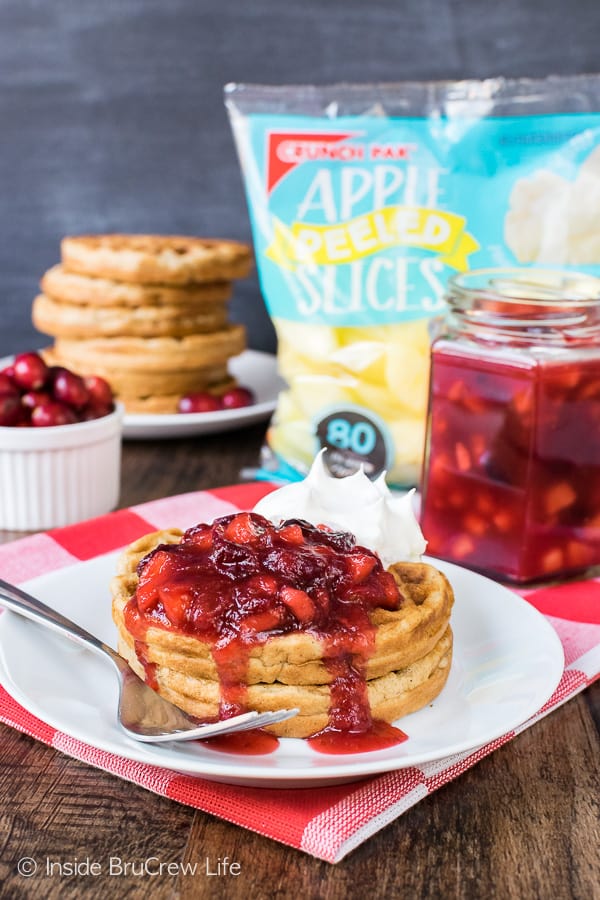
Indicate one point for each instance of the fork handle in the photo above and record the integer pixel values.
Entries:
(24, 604)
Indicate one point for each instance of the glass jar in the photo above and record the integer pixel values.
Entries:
(511, 479)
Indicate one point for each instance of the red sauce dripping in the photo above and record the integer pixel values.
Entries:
(242, 580)
(141, 651)
(351, 729)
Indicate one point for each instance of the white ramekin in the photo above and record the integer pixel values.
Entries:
(59, 475)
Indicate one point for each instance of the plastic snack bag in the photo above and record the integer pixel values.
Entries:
(363, 200)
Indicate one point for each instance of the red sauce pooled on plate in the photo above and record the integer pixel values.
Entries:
(242, 580)
(254, 742)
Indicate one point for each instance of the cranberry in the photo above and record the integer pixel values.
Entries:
(7, 385)
(52, 413)
(99, 390)
(95, 411)
(237, 397)
(199, 402)
(70, 389)
(30, 371)
(35, 398)
(10, 409)
(42, 395)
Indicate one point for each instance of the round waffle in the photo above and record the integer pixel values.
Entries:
(86, 290)
(156, 259)
(391, 696)
(408, 668)
(160, 354)
(138, 383)
(69, 320)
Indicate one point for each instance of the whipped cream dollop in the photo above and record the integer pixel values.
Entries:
(380, 521)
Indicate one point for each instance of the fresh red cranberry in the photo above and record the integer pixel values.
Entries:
(59, 397)
(52, 413)
(31, 399)
(99, 390)
(199, 402)
(30, 371)
(95, 411)
(237, 398)
(70, 389)
(7, 385)
(10, 409)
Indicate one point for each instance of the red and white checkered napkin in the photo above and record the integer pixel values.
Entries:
(332, 821)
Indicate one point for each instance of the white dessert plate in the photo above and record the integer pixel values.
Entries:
(507, 662)
(252, 369)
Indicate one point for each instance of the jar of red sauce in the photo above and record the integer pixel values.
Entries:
(511, 480)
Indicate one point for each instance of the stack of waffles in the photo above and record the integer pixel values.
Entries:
(147, 312)
(397, 666)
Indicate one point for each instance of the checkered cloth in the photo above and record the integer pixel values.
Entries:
(332, 821)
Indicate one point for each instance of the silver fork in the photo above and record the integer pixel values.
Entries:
(142, 713)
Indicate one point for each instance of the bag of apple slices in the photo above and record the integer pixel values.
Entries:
(363, 200)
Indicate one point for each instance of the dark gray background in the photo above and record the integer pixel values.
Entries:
(112, 117)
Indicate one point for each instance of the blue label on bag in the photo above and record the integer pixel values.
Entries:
(360, 220)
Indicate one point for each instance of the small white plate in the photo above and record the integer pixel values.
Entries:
(507, 662)
(253, 369)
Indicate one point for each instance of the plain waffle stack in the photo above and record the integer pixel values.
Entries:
(147, 312)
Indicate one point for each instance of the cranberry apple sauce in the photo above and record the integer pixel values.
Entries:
(512, 470)
(242, 580)
(317, 601)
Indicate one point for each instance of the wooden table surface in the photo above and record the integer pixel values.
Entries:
(523, 823)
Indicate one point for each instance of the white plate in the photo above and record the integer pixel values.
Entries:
(252, 369)
(507, 662)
